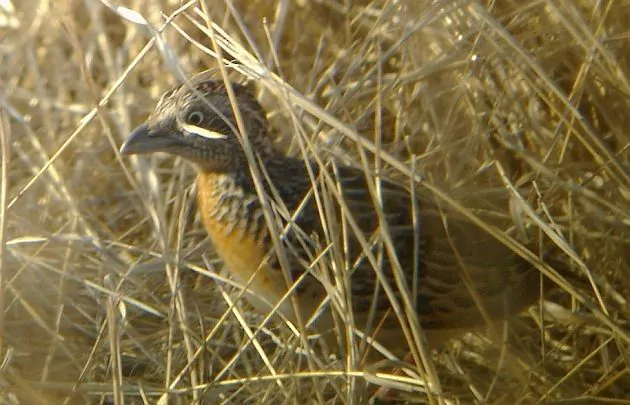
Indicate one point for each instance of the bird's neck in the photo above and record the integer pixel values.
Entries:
(238, 175)
(230, 197)
(226, 203)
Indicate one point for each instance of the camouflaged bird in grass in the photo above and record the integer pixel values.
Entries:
(330, 229)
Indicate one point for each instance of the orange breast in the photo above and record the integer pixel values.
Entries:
(242, 254)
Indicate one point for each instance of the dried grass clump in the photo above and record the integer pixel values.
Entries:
(110, 291)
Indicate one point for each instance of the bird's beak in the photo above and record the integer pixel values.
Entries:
(143, 140)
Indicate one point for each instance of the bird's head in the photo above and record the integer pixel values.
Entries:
(197, 122)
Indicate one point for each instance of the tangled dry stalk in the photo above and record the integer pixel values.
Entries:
(110, 292)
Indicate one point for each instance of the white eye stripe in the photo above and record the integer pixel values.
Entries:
(202, 132)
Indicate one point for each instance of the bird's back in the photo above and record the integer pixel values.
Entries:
(452, 271)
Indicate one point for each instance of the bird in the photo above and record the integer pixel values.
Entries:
(349, 246)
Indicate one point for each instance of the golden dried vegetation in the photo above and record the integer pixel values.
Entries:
(110, 292)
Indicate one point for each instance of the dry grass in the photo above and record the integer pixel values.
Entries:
(110, 293)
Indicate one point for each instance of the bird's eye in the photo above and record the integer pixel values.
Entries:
(195, 118)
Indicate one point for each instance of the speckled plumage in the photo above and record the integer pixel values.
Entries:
(436, 253)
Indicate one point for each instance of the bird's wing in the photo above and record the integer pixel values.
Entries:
(449, 269)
